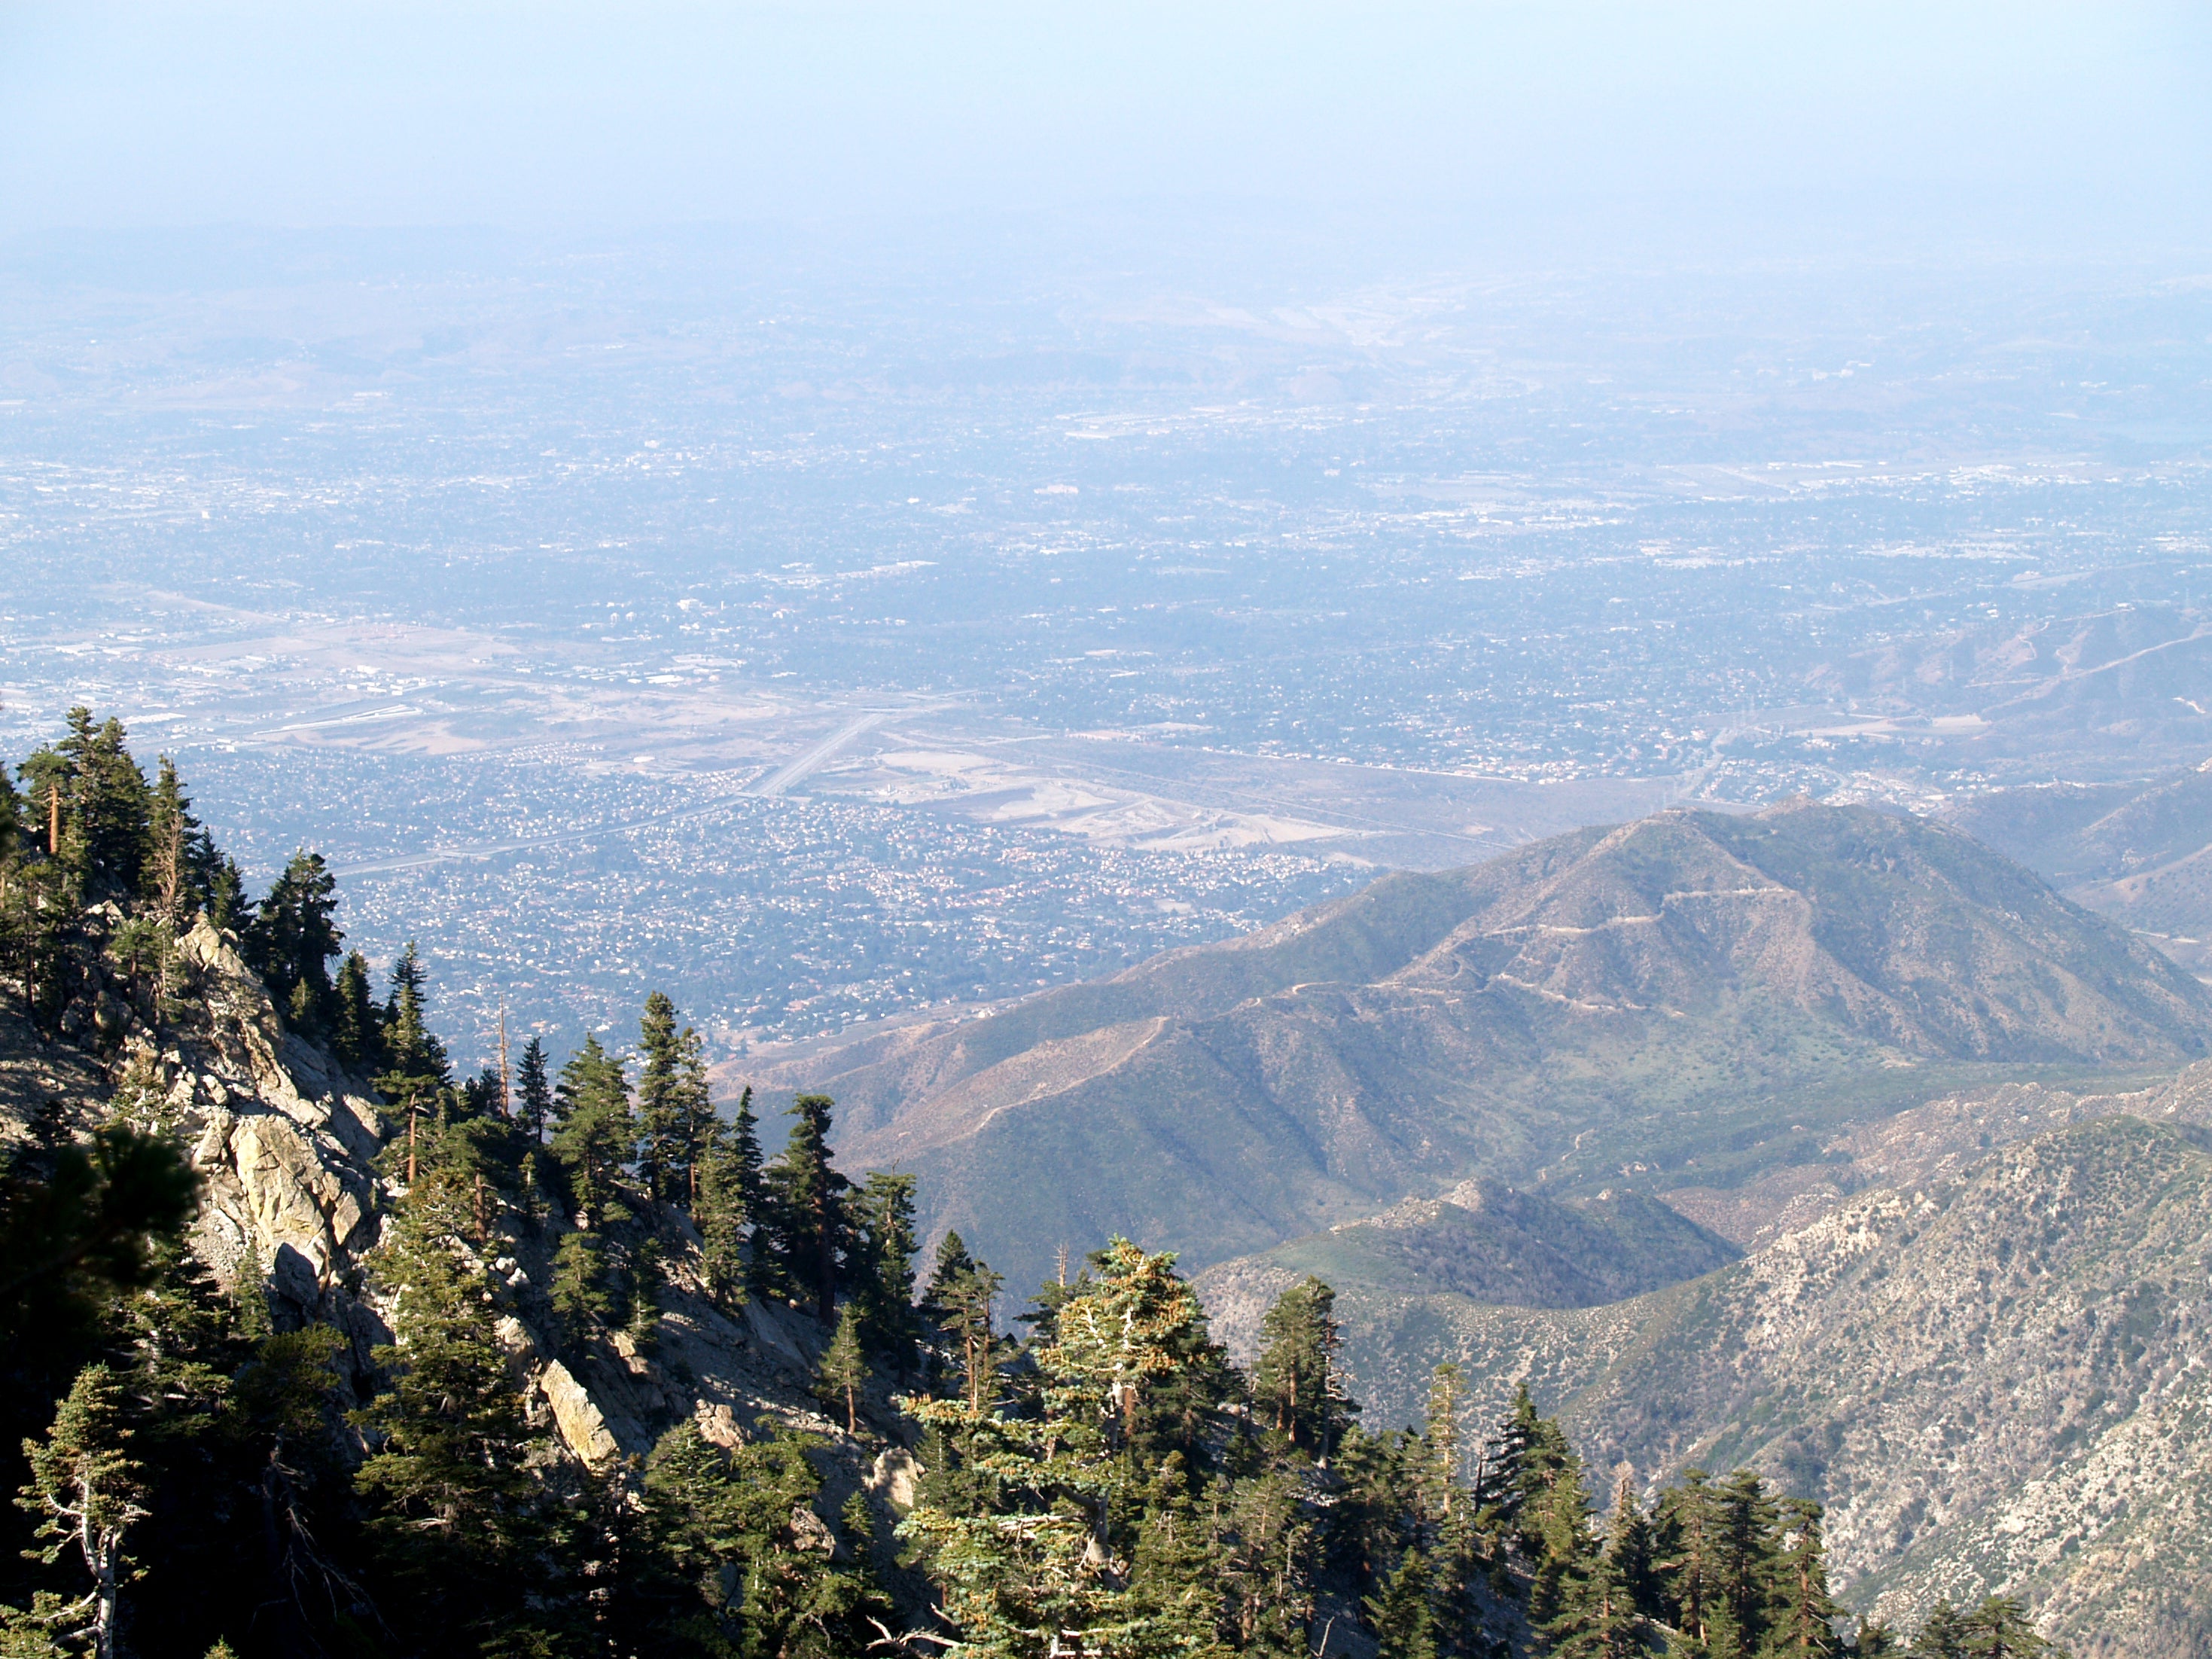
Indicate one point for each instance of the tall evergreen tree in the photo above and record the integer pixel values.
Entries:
(455, 1509)
(89, 1491)
(597, 1134)
(882, 1272)
(1295, 1384)
(959, 1303)
(1038, 1550)
(533, 1092)
(1629, 1547)
(661, 1157)
(719, 1212)
(743, 1583)
(415, 1066)
(11, 814)
(695, 1120)
(104, 802)
(1942, 1635)
(843, 1376)
(806, 1206)
(293, 936)
(356, 1033)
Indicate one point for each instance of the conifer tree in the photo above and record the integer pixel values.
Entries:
(1942, 1635)
(843, 1376)
(581, 1296)
(661, 1127)
(533, 1092)
(743, 1581)
(105, 805)
(11, 814)
(1295, 1382)
(1803, 1618)
(293, 937)
(806, 1206)
(694, 1108)
(595, 1135)
(88, 1492)
(1749, 1540)
(1527, 1455)
(883, 1275)
(1629, 1547)
(356, 1033)
(1873, 1639)
(454, 1502)
(1038, 1553)
(764, 1273)
(718, 1213)
(958, 1304)
(415, 1067)
(1557, 1519)
(181, 862)
(1999, 1629)
(1398, 1611)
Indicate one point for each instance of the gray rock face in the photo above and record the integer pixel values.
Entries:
(282, 1140)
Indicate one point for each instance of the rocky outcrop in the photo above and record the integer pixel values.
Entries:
(283, 1139)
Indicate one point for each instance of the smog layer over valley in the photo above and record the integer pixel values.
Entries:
(1339, 832)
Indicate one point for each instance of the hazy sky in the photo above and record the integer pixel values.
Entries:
(2013, 125)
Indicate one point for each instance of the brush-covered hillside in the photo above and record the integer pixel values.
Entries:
(1690, 991)
(1993, 1381)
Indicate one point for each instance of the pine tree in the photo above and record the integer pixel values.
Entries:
(718, 1213)
(1943, 1634)
(1749, 1536)
(763, 1272)
(533, 1092)
(1036, 1541)
(454, 1505)
(1999, 1629)
(293, 938)
(415, 1060)
(1630, 1549)
(180, 859)
(843, 1374)
(1801, 1624)
(581, 1296)
(1683, 1524)
(1873, 1639)
(106, 805)
(1557, 1520)
(597, 1135)
(695, 1110)
(661, 1130)
(88, 1492)
(1295, 1383)
(1398, 1611)
(806, 1207)
(356, 1033)
(1526, 1457)
(882, 1274)
(740, 1580)
(11, 814)
(958, 1305)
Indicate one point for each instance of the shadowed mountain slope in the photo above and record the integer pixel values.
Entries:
(1494, 1243)
(2141, 854)
(1678, 988)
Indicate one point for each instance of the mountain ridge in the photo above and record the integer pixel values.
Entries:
(1223, 1099)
